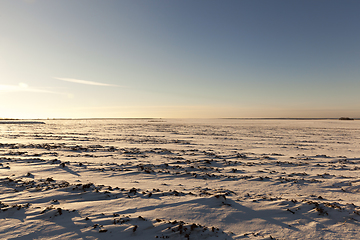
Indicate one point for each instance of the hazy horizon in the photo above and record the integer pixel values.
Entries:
(159, 118)
(179, 59)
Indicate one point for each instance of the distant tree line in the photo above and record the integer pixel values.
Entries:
(345, 118)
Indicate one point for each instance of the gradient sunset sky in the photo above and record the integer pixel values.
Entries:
(172, 58)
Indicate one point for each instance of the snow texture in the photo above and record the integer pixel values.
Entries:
(180, 179)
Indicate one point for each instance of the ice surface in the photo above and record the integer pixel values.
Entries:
(180, 179)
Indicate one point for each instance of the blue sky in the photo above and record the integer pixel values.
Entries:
(86, 58)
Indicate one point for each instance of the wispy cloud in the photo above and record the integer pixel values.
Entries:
(22, 87)
(86, 82)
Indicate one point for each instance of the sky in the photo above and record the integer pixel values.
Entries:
(179, 59)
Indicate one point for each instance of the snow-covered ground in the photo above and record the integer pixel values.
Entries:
(180, 179)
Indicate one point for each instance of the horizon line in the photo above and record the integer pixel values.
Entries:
(145, 118)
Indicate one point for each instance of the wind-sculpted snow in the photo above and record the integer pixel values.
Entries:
(180, 179)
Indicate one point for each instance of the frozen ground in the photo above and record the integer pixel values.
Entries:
(180, 179)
